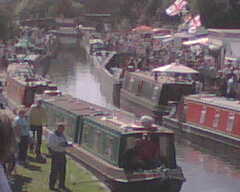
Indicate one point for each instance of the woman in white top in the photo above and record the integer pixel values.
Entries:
(7, 143)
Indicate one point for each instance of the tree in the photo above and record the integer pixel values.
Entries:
(5, 24)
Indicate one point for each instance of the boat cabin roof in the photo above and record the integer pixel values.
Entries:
(117, 120)
(76, 106)
(213, 100)
(23, 74)
(121, 123)
(95, 41)
(162, 79)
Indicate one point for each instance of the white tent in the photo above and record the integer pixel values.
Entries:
(175, 68)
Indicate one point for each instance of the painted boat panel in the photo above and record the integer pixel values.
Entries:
(193, 114)
(211, 118)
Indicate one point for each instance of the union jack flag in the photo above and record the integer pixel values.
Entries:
(194, 23)
(176, 8)
(187, 18)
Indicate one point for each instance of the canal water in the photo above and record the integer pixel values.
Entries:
(204, 171)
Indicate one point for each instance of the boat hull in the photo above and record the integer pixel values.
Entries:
(217, 143)
(118, 181)
(144, 186)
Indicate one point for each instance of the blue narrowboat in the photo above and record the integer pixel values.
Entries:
(109, 143)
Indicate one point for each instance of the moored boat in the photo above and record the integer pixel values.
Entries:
(150, 96)
(208, 120)
(104, 140)
(67, 35)
(22, 86)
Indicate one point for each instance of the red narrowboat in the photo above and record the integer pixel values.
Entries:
(22, 85)
(209, 119)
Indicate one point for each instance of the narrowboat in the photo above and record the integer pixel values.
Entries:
(150, 96)
(108, 67)
(208, 120)
(104, 139)
(22, 86)
(66, 35)
(109, 64)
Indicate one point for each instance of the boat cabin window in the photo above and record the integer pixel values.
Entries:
(147, 151)
(174, 92)
(126, 82)
(56, 115)
(100, 142)
(132, 84)
(148, 90)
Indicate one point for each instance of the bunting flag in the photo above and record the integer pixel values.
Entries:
(187, 18)
(194, 23)
(176, 8)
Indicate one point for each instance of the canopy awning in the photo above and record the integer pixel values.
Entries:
(95, 41)
(142, 28)
(162, 36)
(232, 58)
(175, 68)
(31, 57)
(203, 40)
(161, 30)
(86, 28)
(167, 39)
(24, 43)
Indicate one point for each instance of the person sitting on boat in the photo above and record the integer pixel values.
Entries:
(130, 159)
(144, 155)
(147, 123)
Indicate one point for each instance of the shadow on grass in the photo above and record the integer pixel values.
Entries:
(35, 160)
(32, 167)
(18, 182)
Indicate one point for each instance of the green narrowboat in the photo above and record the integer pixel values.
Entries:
(69, 110)
(106, 141)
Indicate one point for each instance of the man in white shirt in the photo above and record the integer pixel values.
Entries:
(57, 144)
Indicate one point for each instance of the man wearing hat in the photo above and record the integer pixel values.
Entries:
(37, 118)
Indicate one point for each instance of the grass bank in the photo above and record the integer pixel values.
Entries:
(34, 177)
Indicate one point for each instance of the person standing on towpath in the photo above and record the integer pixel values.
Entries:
(57, 144)
(7, 146)
(21, 125)
(37, 118)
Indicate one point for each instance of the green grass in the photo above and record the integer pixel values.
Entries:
(34, 177)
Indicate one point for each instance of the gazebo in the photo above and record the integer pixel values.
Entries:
(175, 68)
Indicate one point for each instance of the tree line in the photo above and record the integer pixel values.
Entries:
(214, 13)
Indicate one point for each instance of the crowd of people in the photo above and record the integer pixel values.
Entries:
(18, 136)
(29, 41)
(150, 50)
